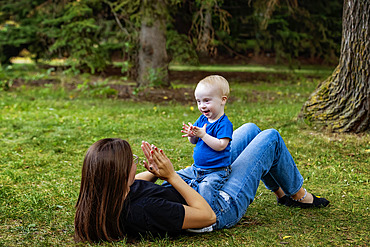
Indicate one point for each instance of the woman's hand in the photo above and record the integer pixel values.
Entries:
(150, 165)
(165, 168)
(158, 163)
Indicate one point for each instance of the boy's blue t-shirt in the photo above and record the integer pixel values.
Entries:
(204, 156)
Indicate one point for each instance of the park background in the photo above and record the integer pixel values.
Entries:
(73, 72)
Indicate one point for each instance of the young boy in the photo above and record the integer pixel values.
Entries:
(212, 134)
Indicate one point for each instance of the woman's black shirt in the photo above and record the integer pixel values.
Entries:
(154, 209)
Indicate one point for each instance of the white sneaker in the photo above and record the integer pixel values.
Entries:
(202, 230)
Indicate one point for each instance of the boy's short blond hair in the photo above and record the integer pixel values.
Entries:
(217, 81)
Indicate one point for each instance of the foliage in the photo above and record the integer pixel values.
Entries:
(84, 32)
(5, 82)
(99, 88)
(77, 37)
(19, 29)
(180, 49)
(155, 77)
(22, 73)
(89, 33)
(304, 33)
(311, 30)
(202, 31)
(44, 134)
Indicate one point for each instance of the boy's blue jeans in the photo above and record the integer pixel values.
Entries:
(255, 155)
(206, 182)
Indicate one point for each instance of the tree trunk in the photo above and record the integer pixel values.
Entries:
(342, 102)
(153, 59)
(205, 35)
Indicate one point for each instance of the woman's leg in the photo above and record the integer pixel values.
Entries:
(241, 139)
(266, 153)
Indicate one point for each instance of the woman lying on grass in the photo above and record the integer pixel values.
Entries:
(114, 203)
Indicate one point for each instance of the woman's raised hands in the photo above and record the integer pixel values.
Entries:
(157, 162)
(149, 164)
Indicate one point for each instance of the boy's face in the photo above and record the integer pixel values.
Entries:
(210, 101)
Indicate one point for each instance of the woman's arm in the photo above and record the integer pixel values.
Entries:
(147, 176)
(198, 213)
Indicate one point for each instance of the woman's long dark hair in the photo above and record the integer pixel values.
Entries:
(104, 186)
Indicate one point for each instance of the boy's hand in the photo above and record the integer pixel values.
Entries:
(200, 132)
(188, 129)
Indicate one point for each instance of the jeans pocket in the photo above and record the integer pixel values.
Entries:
(224, 173)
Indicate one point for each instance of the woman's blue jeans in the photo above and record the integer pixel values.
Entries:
(255, 155)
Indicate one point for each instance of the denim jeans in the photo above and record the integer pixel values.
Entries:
(255, 155)
(206, 182)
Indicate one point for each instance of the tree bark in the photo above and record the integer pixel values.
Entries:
(205, 35)
(153, 59)
(341, 103)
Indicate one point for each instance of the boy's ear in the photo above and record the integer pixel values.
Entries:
(224, 99)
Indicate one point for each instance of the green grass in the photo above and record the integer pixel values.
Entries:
(45, 132)
(307, 69)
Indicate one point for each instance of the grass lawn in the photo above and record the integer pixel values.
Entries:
(45, 132)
